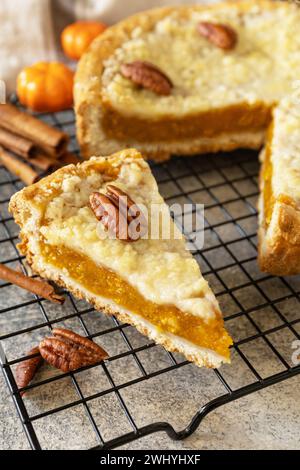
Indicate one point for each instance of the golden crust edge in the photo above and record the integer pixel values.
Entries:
(277, 255)
(30, 193)
(279, 246)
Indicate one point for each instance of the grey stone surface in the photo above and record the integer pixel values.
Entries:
(265, 420)
(12, 435)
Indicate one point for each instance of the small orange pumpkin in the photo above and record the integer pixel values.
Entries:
(77, 37)
(46, 86)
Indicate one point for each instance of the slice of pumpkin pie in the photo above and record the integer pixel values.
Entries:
(90, 229)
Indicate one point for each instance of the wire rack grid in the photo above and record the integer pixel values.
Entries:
(106, 406)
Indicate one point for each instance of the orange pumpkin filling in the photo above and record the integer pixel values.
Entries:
(167, 318)
(211, 123)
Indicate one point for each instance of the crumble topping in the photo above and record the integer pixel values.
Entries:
(204, 76)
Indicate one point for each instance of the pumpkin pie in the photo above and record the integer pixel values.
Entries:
(221, 95)
(279, 201)
(151, 282)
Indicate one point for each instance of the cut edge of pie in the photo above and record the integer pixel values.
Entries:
(200, 337)
(279, 242)
(279, 199)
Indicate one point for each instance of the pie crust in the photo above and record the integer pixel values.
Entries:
(153, 284)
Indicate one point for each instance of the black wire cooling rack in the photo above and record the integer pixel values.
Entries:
(261, 312)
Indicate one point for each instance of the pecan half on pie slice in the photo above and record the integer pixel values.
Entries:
(70, 234)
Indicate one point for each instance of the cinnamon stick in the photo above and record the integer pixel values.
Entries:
(36, 286)
(42, 161)
(51, 140)
(68, 158)
(26, 149)
(16, 143)
(20, 169)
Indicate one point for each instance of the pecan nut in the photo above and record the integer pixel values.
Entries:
(221, 35)
(69, 351)
(26, 370)
(108, 214)
(127, 206)
(147, 76)
(119, 214)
